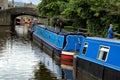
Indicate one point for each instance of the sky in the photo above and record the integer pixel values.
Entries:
(28, 1)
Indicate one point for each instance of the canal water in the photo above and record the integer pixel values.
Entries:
(21, 59)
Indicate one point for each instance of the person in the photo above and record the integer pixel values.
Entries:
(58, 23)
(61, 26)
(110, 32)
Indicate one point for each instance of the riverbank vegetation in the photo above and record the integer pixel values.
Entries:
(92, 15)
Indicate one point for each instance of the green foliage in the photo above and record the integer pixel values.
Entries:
(67, 22)
(51, 7)
(68, 28)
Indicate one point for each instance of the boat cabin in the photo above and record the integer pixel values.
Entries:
(101, 51)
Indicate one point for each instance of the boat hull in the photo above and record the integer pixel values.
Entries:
(54, 53)
(88, 70)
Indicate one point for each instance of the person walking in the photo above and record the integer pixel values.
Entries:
(110, 32)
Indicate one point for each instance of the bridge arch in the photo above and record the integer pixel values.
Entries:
(7, 17)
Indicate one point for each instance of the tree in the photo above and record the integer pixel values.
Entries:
(96, 15)
(51, 7)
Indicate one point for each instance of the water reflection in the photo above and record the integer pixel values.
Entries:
(61, 71)
(43, 74)
(15, 63)
(20, 59)
(46, 69)
(67, 70)
(22, 31)
(3, 39)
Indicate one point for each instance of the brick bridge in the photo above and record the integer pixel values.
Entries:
(7, 17)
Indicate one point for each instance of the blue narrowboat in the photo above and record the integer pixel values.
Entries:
(98, 58)
(60, 45)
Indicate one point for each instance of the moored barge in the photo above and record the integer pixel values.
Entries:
(60, 45)
(99, 58)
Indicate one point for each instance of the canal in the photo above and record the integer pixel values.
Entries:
(21, 59)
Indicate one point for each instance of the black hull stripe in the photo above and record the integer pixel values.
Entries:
(96, 70)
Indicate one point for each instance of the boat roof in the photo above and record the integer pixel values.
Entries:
(63, 32)
(105, 39)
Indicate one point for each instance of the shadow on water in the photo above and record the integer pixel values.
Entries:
(50, 69)
(43, 73)
(46, 68)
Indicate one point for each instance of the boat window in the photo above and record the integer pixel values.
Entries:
(85, 48)
(103, 52)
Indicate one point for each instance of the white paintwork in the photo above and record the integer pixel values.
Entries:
(68, 53)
